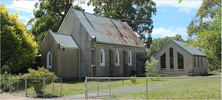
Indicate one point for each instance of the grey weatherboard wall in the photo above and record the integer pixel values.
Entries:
(65, 62)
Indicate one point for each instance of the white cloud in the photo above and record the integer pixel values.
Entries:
(186, 6)
(169, 32)
(24, 18)
(21, 5)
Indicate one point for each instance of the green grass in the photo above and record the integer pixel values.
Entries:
(193, 88)
(183, 88)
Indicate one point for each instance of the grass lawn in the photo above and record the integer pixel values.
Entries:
(72, 88)
(180, 88)
(192, 88)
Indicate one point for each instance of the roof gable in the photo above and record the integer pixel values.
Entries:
(189, 49)
(65, 41)
(108, 30)
(192, 50)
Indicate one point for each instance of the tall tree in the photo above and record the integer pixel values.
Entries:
(49, 15)
(136, 13)
(208, 35)
(18, 47)
(159, 42)
(203, 17)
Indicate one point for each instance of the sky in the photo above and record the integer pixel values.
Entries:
(171, 17)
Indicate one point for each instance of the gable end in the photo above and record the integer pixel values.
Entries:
(175, 44)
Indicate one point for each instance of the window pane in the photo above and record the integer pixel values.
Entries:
(116, 58)
(163, 61)
(101, 57)
(180, 61)
(129, 57)
(171, 58)
(194, 62)
(50, 59)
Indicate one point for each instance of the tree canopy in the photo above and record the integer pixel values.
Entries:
(159, 42)
(208, 33)
(203, 18)
(136, 13)
(18, 47)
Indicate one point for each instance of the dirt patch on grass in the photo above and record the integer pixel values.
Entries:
(216, 71)
(7, 96)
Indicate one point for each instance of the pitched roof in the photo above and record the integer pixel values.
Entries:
(108, 30)
(65, 40)
(189, 49)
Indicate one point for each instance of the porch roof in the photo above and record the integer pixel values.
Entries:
(143, 57)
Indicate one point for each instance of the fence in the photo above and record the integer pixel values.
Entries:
(25, 86)
(153, 87)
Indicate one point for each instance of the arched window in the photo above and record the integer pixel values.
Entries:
(117, 58)
(171, 58)
(163, 61)
(180, 61)
(129, 59)
(49, 60)
(102, 58)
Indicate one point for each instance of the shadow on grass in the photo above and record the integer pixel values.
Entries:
(210, 74)
(53, 95)
(48, 96)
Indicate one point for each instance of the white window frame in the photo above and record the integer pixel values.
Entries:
(129, 58)
(48, 66)
(102, 53)
(117, 58)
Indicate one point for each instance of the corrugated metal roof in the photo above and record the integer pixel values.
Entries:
(65, 40)
(189, 48)
(108, 30)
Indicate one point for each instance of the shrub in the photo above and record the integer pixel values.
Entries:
(5, 83)
(133, 80)
(37, 84)
(151, 70)
(5, 69)
(150, 66)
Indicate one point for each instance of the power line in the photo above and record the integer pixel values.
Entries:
(119, 19)
(19, 7)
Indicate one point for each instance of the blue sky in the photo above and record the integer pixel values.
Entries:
(171, 18)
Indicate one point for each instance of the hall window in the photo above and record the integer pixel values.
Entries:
(163, 61)
(195, 62)
(117, 58)
(49, 60)
(102, 58)
(171, 59)
(180, 61)
(129, 59)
